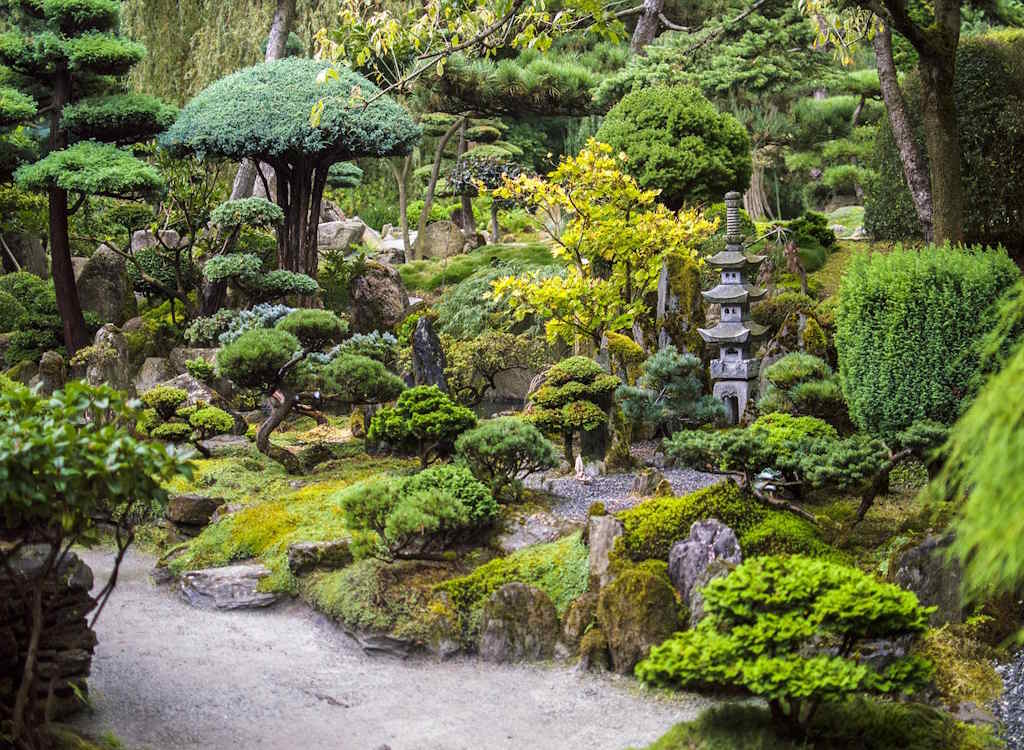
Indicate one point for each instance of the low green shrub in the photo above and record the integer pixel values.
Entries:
(172, 432)
(210, 421)
(12, 313)
(424, 420)
(501, 452)
(165, 400)
(200, 369)
(653, 526)
(784, 534)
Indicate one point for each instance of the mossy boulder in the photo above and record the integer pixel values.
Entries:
(581, 614)
(519, 623)
(594, 654)
(636, 611)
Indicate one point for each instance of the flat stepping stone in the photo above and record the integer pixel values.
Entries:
(230, 587)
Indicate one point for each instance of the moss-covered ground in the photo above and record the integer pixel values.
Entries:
(423, 276)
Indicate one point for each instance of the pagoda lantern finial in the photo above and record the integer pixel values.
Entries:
(735, 370)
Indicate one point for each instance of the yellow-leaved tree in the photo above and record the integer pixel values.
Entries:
(613, 237)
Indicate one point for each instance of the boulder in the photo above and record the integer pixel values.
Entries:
(78, 264)
(104, 287)
(154, 371)
(225, 445)
(339, 235)
(371, 237)
(601, 536)
(305, 557)
(330, 212)
(28, 251)
(143, 239)
(192, 510)
(936, 580)
(428, 360)
(594, 656)
(197, 391)
(650, 483)
(378, 300)
(581, 614)
(444, 627)
(391, 252)
(230, 587)
(716, 569)
(51, 375)
(709, 540)
(636, 611)
(441, 239)
(511, 385)
(179, 355)
(111, 368)
(534, 528)
(519, 623)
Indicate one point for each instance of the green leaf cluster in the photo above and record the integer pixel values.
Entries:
(576, 396)
(670, 393)
(804, 384)
(250, 212)
(424, 420)
(255, 359)
(355, 379)
(501, 452)
(92, 168)
(165, 400)
(315, 329)
(788, 628)
(210, 420)
(414, 517)
(905, 322)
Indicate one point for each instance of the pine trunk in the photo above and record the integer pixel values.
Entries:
(942, 136)
(647, 26)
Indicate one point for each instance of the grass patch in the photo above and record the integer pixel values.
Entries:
(858, 724)
(276, 513)
(560, 569)
(848, 217)
(430, 275)
(829, 275)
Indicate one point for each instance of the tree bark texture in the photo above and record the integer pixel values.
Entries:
(75, 334)
(468, 221)
(647, 26)
(915, 171)
(277, 42)
(435, 172)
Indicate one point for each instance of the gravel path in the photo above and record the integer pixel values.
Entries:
(1009, 709)
(169, 677)
(574, 497)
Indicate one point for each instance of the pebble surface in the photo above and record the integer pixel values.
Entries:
(572, 497)
(1009, 709)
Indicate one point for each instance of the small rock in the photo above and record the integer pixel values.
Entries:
(381, 644)
(224, 445)
(113, 370)
(519, 624)
(648, 482)
(192, 510)
(709, 540)
(51, 375)
(536, 528)
(378, 300)
(936, 580)
(304, 557)
(594, 655)
(715, 569)
(440, 239)
(230, 587)
(225, 510)
(104, 287)
(444, 628)
(339, 235)
(601, 536)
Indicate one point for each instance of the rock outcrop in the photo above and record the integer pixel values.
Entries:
(519, 624)
(441, 239)
(936, 580)
(230, 587)
(709, 540)
(636, 611)
(305, 557)
(377, 299)
(428, 360)
(601, 536)
(104, 287)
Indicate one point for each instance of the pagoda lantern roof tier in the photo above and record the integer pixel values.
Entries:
(734, 259)
(733, 333)
(733, 294)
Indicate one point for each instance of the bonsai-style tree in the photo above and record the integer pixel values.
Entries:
(473, 173)
(614, 244)
(670, 393)
(424, 420)
(576, 397)
(788, 630)
(417, 517)
(276, 361)
(502, 452)
(107, 480)
(473, 365)
(69, 52)
(805, 385)
(264, 113)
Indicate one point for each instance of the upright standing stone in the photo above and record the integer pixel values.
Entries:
(735, 371)
(428, 360)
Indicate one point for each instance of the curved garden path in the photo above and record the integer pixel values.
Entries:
(169, 677)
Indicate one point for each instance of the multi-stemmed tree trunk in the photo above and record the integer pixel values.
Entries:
(277, 42)
(915, 171)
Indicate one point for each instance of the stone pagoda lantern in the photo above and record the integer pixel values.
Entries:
(735, 371)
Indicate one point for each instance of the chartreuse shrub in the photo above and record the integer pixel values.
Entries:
(787, 629)
(424, 420)
(859, 723)
(169, 417)
(417, 517)
(501, 452)
(784, 534)
(560, 569)
(676, 141)
(576, 396)
(905, 321)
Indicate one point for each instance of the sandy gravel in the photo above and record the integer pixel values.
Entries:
(169, 677)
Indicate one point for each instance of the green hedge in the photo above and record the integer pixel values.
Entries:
(990, 109)
(905, 328)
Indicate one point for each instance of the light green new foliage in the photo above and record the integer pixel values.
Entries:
(93, 168)
(905, 321)
(210, 421)
(983, 472)
(315, 329)
(355, 379)
(424, 420)
(501, 452)
(253, 212)
(117, 117)
(788, 629)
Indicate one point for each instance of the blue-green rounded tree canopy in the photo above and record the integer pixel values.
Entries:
(264, 112)
(344, 174)
(94, 168)
(247, 212)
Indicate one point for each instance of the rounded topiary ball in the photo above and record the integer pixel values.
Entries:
(675, 140)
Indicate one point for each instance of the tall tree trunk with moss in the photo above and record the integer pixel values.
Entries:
(75, 334)
(435, 173)
(401, 176)
(915, 171)
(277, 43)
